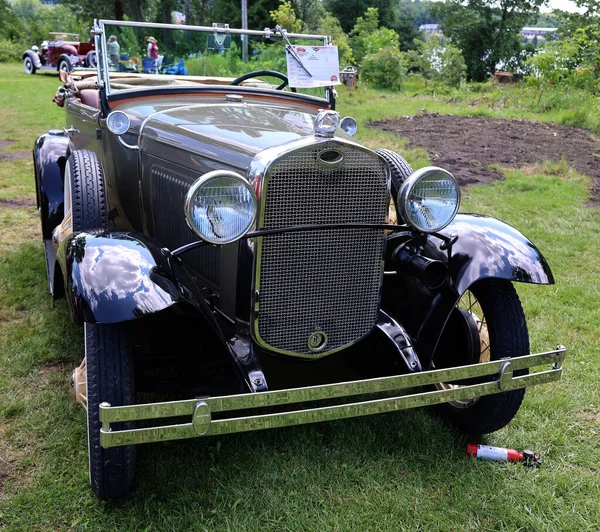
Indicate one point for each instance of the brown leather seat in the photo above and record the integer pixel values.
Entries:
(90, 97)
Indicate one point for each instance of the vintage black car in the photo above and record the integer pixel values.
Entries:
(230, 251)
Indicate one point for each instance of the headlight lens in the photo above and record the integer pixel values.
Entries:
(349, 125)
(220, 207)
(429, 199)
(117, 122)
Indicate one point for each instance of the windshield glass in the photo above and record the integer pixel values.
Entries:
(134, 56)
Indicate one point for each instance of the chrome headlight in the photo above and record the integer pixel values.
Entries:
(220, 207)
(429, 199)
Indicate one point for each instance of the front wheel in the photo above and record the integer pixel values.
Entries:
(488, 324)
(108, 357)
(28, 66)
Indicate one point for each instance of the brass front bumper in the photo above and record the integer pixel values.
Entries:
(201, 410)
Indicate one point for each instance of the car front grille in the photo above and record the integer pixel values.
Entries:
(327, 281)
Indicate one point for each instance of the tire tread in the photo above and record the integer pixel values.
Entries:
(399, 168)
(509, 338)
(110, 379)
(88, 194)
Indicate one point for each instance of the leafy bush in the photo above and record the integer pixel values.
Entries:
(10, 51)
(229, 64)
(442, 62)
(367, 37)
(573, 61)
(385, 69)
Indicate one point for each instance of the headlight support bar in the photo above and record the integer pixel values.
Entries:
(308, 227)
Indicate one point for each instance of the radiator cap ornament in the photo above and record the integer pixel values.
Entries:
(326, 123)
(317, 341)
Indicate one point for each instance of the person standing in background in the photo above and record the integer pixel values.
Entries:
(113, 50)
(153, 53)
(152, 48)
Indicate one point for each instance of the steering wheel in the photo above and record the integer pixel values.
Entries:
(259, 73)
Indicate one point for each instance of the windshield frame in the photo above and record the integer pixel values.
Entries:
(100, 31)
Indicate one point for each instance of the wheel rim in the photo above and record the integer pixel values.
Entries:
(28, 65)
(64, 66)
(469, 303)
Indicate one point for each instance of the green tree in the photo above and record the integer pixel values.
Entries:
(88, 10)
(348, 11)
(311, 12)
(367, 37)
(229, 11)
(487, 31)
(330, 25)
(405, 24)
(11, 28)
(36, 20)
(442, 62)
(286, 18)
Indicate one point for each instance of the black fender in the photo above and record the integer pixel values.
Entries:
(116, 276)
(50, 153)
(485, 248)
(35, 57)
(489, 248)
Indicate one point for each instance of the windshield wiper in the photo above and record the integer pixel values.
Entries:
(291, 50)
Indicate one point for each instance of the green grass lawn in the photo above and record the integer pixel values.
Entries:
(395, 471)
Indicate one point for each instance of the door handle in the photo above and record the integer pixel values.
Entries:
(70, 131)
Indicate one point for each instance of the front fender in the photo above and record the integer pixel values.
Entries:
(50, 154)
(112, 277)
(35, 57)
(486, 248)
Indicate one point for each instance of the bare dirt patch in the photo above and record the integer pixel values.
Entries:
(15, 155)
(467, 146)
(12, 155)
(17, 203)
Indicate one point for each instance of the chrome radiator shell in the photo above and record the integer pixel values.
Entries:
(325, 285)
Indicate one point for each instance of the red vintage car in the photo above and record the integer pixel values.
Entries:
(63, 51)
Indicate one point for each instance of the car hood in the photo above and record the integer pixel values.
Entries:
(232, 132)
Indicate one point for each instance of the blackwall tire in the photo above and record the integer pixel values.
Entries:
(28, 66)
(399, 169)
(108, 353)
(86, 192)
(500, 314)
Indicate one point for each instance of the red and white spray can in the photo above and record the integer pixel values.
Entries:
(487, 452)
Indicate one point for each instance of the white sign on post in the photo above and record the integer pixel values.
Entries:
(322, 66)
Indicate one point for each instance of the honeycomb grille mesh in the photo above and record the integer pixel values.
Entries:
(326, 280)
(170, 228)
